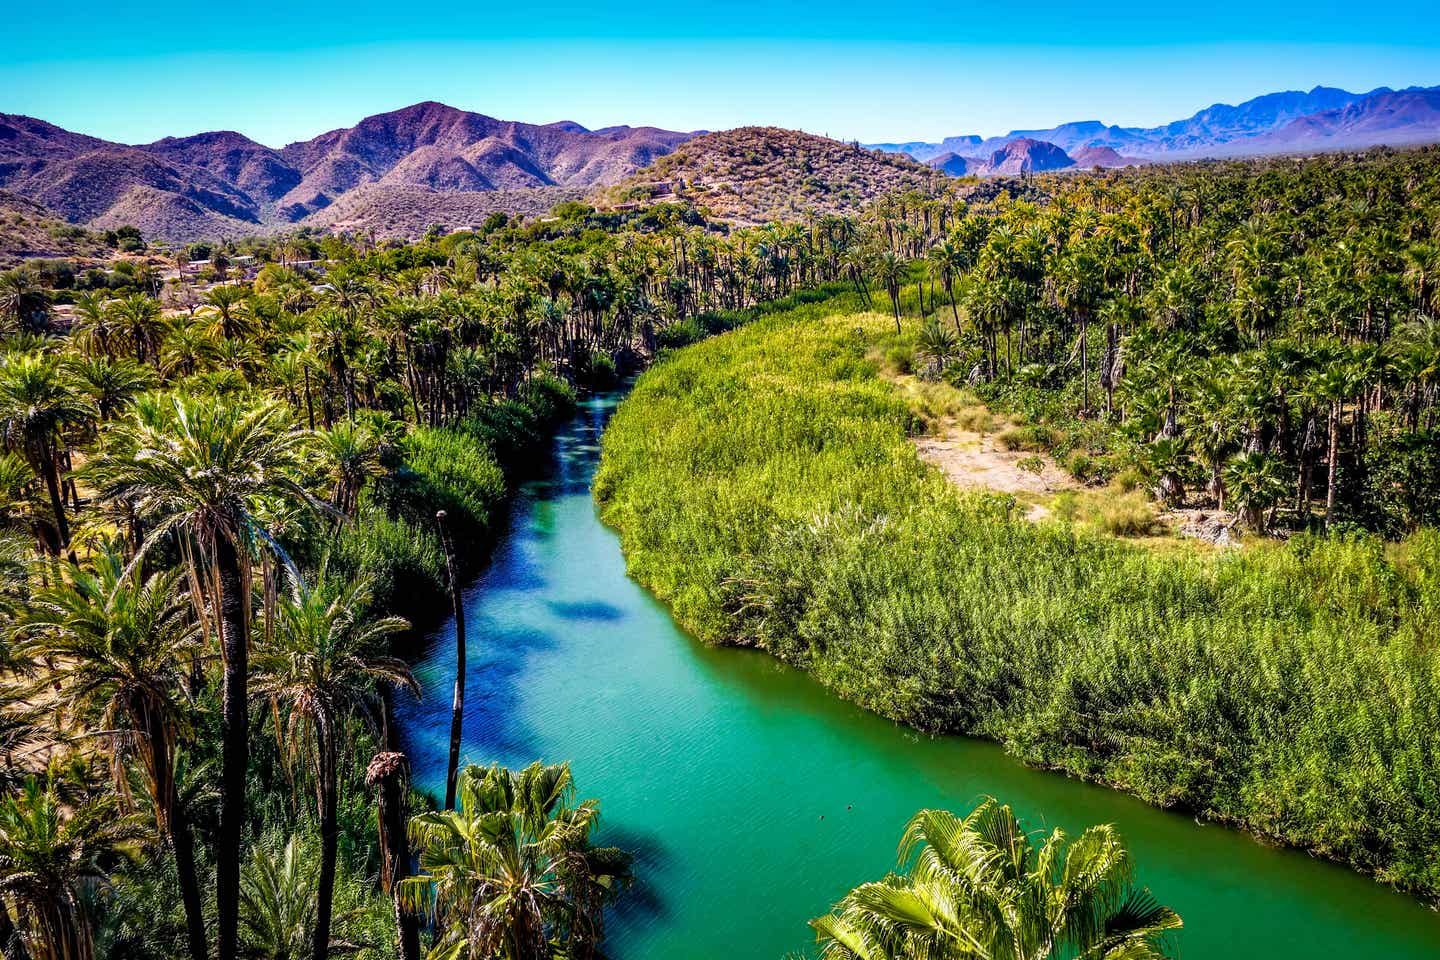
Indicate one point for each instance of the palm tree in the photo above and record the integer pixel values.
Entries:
(93, 325)
(352, 450)
(116, 649)
(37, 402)
(949, 259)
(1256, 483)
(277, 901)
(1331, 387)
(937, 346)
(1077, 286)
(206, 470)
(48, 850)
(511, 874)
(138, 316)
(322, 667)
(110, 384)
(222, 306)
(979, 887)
(892, 270)
(20, 298)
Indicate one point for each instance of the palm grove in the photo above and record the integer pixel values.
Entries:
(218, 504)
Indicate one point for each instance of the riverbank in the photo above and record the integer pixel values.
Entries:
(765, 488)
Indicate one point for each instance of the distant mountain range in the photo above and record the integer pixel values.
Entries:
(1294, 121)
(220, 184)
(429, 163)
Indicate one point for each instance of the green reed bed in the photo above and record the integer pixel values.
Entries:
(764, 487)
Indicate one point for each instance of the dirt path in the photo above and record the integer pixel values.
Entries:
(977, 461)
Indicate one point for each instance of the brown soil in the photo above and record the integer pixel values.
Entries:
(976, 461)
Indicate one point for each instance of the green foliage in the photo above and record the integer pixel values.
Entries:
(764, 488)
(1402, 475)
(447, 470)
(512, 872)
(980, 886)
(405, 561)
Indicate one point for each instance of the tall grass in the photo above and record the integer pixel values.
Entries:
(764, 487)
(465, 471)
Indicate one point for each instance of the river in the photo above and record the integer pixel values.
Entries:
(752, 799)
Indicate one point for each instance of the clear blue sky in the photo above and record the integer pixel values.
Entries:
(883, 70)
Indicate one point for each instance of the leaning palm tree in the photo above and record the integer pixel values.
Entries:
(322, 667)
(116, 649)
(48, 851)
(207, 470)
(979, 887)
(38, 402)
(511, 873)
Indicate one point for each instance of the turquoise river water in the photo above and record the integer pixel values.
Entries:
(752, 799)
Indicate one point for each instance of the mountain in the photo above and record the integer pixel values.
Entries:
(959, 146)
(1090, 157)
(759, 174)
(223, 183)
(1324, 118)
(1026, 155)
(955, 165)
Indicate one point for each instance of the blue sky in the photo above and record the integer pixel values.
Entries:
(883, 70)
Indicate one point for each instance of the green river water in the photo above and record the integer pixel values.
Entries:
(753, 799)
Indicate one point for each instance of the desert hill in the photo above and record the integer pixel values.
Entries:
(758, 174)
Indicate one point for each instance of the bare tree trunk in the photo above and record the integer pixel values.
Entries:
(388, 772)
(457, 707)
(329, 838)
(11, 946)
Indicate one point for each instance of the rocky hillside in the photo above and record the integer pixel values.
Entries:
(223, 183)
(759, 174)
(28, 231)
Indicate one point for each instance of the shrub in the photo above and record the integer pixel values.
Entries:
(447, 470)
(976, 419)
(1126, 515)
(404, 560)
(1034, 438)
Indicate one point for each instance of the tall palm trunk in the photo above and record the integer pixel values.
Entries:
(173, 820)
(235, 746)
(457, 704)
(1334, 461)
(51, 474)
(11, 946)
(388, 773)
(329, 833)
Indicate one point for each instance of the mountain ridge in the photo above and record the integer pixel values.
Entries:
(224, 183)
(1261, 125)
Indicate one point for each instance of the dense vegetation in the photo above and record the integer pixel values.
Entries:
(218, 504)
(765, 487)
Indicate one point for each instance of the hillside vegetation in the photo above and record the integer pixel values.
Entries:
(764, 486)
